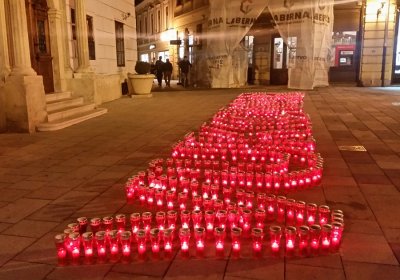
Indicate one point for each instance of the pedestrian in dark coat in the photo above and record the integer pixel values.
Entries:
(159, 70)
(167, 72)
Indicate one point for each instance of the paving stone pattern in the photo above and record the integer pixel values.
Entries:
(49, 179)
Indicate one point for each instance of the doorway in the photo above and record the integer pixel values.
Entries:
(279, 53)
(39, 41)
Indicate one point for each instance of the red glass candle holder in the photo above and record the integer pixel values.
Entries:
(125, 239)
(336, 235)
(173, 183)
(290, 212)
(257, 235)
(141, 244)
(100, 238)
(59, 240)
(208, 204)
(108, 223)
(83, 223)
(160, 220)
(304, 237)
(95, 224)
(315, 236)
(197, 218)
(185, 219)
(236, 234)
(168, 242)
(120, 221)
(199, 235)
(182, 200)
(185, 185)
(194, 188)
(259, 178)
(87, 239)
(227, 193)
(275, 234)
(247, 216)
(311, 209)
(290, 240)
(113, 245)
(215, 181)
(159, 196)
(240, 197)
(261, 200)
(219, 235)
(155, 242)
(196, 202)
(271, 207)
(75, 242)
(135, 223)
(184, 236)
(300, 210)
(249, 197)
(221, 216)
(233, 219)
(281, 208)
(214, 191)
(324, 214)
(326, 237)
(218, 204)
(170, 198)
(146, 220)
(150, 193)
(172, 217)
(209, 217)
(259, 216)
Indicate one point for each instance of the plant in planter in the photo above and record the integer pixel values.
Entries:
(140, 83)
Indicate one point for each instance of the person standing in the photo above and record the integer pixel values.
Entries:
(167, 72)
(185, 66)
(159, 70)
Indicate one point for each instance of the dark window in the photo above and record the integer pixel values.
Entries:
(41, 36)
(166, 18)
(73, 24)
(179, 2)
(152, 24)
(159, 21)
(92, 47)
(119, 38)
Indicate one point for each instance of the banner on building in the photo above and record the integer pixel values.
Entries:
(306, 26)
(228, 23)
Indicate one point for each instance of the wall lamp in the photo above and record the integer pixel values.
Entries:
(125, 16)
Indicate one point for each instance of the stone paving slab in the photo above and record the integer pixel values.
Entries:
(49, 179)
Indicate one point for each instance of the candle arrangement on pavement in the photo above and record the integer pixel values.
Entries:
(226, 185)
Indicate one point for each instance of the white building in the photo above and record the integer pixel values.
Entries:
(60, 59)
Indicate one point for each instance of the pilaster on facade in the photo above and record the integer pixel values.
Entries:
(5, 67)
(81, 37)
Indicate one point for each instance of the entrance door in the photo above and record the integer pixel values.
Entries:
(279, 71)
(396, 55)
(39, 41)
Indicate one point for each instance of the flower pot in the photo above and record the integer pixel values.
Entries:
(140, 84)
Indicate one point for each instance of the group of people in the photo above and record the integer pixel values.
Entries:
(161, 68)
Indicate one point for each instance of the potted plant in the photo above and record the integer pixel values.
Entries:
(141, 82)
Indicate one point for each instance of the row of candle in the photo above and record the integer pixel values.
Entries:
(112, 245)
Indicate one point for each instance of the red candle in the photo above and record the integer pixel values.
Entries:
(185, 219)
(233, 218)
(323, 214)
(141, 243)
(336, 235)
(257, 235)
(300, 212)
(290, 211)
(83, 223)
(196, 202)
(271, 207)
(219, 234)
(290, 236)
(199, 234)
(87, 238)
(304, 236)
(184, 236)
(100, 238)
(281, 200)
(326, 237)
(249, 197)
(170, 197)
(159, 196)
(315, 236)
(221, 216)
(197, 218)
(59, 240)
(75, 246)
(95, 224)
(167, 238)
(155, 242)
(160, 219)
(172, 217)
(113, 245)
(275, 237)
(182, 200)
(74, 227)
(311, 213)
(120, 220)
(126, 245)
(146, 220)
(108, 223)
(236, 242)
(209, 217)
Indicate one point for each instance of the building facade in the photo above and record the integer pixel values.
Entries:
(62, 49)
(365, 41)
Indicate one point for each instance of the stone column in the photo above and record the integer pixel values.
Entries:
(65, 28)
(57, 49)
(82, 36)
(19, 30)
(4, 58)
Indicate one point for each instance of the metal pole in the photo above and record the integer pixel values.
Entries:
(385, 38)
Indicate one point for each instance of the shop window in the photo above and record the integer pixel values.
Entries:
(343, 48)
(119, 38)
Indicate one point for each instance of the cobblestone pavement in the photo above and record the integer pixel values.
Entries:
(49, 179)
